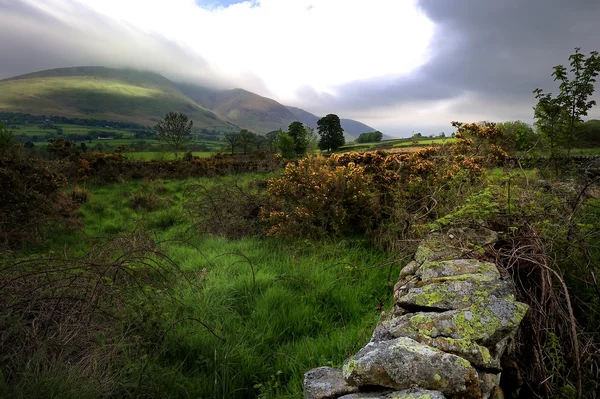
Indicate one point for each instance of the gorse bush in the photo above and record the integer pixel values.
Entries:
(383, 195)
(316, 197)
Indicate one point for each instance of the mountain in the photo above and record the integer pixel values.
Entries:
(103, 93)
(351, 127)
(142, 97)
(260, 114)
(244, 108)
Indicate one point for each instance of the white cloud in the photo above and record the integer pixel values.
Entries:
(290, 43)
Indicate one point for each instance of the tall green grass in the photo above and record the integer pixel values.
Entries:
(252, 316)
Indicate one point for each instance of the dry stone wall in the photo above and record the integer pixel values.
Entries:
(454, 319)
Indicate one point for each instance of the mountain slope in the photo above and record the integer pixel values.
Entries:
(244, 108)
(145, 97)
(260, 114)
(103, 93)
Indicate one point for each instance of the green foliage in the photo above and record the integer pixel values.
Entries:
(235, 319)
(331, 132)
(297, 131)
(518, 136)
(174, 129)
(478, 210)
(246, 139)
(232, 141)
(271, 140)
(286, 145)
(589, 133)
(373, 137)
(5, 138)
(559, 116)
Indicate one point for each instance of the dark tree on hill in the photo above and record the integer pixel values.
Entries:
(297, 131)
(246, 139)
(175, 129)
(331, 132)
(231, 139)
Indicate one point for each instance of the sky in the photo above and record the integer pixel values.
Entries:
(401, 66)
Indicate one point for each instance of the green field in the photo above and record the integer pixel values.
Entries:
(278, 308)
(421, 142)
(148, 156)
(387, 144)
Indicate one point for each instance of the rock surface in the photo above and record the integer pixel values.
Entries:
(326, 383)
(404, 363)
(454, 318)
(405, 394)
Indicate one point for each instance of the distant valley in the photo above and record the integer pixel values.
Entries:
(144, 97)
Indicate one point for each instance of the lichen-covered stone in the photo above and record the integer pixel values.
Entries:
(456, 243)
(405, 394)
(472, 237)
(408, 270)
(487, 323)
(459, 292)
(402, 287)
(446, 270)
(326, 383)
(432, 251)
(477, 355)
(403, 363)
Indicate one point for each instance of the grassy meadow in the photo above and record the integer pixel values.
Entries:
(250, 316)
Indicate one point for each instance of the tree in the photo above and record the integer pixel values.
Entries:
(6, 137)
(574, 92)
(590, 133)
(518, 136)
(246, 139)
(261, 142)
(286, 145)
(374, 137)
(549, 115)
(271, 138)
(331, 132)
(312, 140)
(232, 140)
(175, 129)
(298, 133)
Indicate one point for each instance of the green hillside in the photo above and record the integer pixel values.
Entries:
(243, 108)
(143, 97)
(103, 93)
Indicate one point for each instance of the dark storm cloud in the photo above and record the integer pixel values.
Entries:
(497, 49)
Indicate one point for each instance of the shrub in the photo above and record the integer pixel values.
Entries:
(29, 196)
(317, 197)
(227, 209)
(72, 323)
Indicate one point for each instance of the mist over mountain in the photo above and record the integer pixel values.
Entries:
(144, 97)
